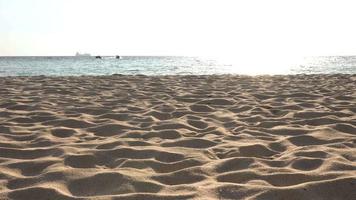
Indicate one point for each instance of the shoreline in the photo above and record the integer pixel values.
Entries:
(182, 75)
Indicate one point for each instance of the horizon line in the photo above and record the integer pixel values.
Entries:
(128, 55)
(97, 55)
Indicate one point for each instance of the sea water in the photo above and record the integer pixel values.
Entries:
(171, 65)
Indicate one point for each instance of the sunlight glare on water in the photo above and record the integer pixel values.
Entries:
(257, 65)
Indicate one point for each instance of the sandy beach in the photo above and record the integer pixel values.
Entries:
(178, 137)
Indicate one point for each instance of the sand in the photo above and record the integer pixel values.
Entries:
(178, 137)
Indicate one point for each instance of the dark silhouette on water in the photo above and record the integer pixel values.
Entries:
(98, 57)
(117, 57)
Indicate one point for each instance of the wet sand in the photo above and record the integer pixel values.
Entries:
(178, 137)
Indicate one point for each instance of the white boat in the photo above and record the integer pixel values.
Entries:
(82, 55)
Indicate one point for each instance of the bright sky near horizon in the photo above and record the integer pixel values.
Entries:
(178, 27)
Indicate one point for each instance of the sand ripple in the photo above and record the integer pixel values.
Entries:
(178, 137)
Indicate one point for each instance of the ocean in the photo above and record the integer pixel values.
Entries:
(170, 65)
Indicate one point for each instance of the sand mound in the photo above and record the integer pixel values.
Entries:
(178, 137)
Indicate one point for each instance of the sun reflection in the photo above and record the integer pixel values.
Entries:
(257, 64)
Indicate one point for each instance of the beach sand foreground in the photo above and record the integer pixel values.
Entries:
(178, 137)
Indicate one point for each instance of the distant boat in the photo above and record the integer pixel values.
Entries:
(98, 57)
(82, 55)
(117, 57)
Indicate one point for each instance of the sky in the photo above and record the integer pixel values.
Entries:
(223, 28)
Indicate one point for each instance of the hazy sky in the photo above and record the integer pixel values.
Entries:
(177, 27)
